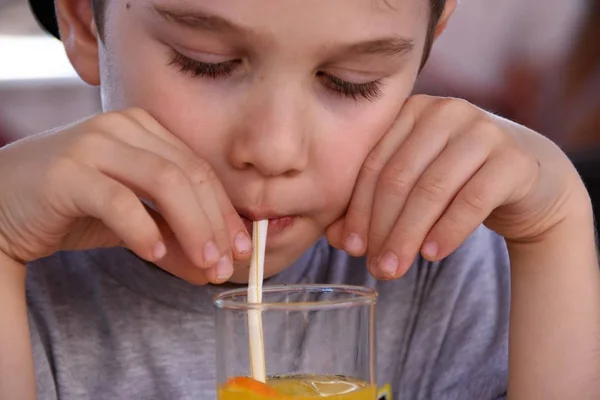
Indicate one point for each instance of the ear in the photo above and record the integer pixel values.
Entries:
(449, 9)
(80, 37)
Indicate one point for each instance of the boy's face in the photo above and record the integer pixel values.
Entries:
(302, 92)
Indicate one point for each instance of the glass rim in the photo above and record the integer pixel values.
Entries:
(362, 296)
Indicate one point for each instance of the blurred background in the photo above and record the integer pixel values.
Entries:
(533, 61)
(38, 88)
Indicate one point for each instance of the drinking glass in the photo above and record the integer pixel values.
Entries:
(319, 342)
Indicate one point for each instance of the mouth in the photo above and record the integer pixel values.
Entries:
(277, 223)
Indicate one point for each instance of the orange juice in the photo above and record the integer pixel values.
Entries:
(298, 387)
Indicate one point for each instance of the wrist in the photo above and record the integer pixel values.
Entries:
(570, 220)
(12, 272)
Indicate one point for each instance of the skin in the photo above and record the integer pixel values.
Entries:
(387, 177)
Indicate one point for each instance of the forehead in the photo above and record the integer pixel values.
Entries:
(314, 21)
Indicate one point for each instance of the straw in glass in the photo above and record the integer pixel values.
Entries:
(255, 282)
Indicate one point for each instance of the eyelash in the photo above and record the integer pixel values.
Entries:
(198, 68)
(368, 90)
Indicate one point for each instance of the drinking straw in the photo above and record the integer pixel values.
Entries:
(255, 282)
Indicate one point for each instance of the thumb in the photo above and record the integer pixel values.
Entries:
(335, 233)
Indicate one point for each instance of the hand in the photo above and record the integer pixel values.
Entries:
(444, 168)
(80, 188)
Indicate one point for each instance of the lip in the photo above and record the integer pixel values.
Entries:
(277, 223)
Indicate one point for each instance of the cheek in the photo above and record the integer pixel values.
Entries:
(183, 106)
(135, 72)
(343, 149)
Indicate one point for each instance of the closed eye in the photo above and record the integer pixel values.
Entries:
(367, 90)
(197, 68)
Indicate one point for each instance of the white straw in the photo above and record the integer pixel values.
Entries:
(255, 282)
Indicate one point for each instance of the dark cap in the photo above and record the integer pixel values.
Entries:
(43, 10)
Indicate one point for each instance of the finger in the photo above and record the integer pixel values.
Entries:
(425, 143)
(150, 124)
(431, 195)
(228, 228)
(119, 209)
(170, 190)
(238, 234)
(178, 263)
(359, 213)
(438, 120)
(487, 190)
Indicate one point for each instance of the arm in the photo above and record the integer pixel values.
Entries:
(555, 317)
(17, 379)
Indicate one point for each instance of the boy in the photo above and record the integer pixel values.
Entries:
(219, 113)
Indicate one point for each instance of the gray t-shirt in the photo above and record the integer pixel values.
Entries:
(107, 325)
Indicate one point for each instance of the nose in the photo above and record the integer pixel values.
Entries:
(272, 135)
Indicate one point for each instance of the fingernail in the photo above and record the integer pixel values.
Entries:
(242, 243)
(353, 243)
(430, 250)
(224, 268)
(160, 250)
(211, 253)
(388, 264)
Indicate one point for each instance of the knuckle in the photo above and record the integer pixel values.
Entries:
(418, 100)
(85, 145)
(168, 174)
(490, 129)
(116, 123)
(137, 113)
(232, 218)
(372, 164)
(120, 201)
(110, 119)
(472, 202)
(376, 239)
(403, 235)
(140, 117)
(199, 172)
(378, 232)
(453, 106)
(221, 235)
(433, 188)
(396, 182)
(358, 211)
(451, 225)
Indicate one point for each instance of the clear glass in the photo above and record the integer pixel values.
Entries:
(319, 343)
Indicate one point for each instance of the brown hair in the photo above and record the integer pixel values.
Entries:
(436, 10)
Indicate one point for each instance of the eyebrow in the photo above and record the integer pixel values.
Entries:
(200, 20)
(393, 46)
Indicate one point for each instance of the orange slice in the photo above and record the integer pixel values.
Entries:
(251, 385)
